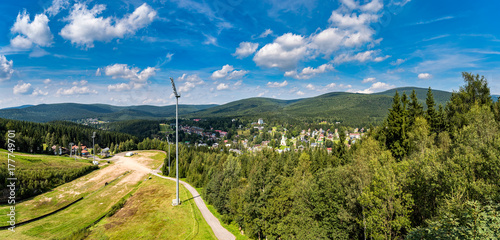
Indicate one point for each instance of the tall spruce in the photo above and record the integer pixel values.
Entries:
(395, 129)
(431, 114)
(415, 109)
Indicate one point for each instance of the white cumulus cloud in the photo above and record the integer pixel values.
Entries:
(38, 91)
(23, 88)
(245, 49)
(424, 76)
(228, 73)
(377, 87)
(29, 32)
(189, 82)
(367, 80)
(311, 87)
(85, 27)
(6, 70)
(333, 86)
(120, 87)
(223, 72)
(132, 73)
(360, 57)
(283, 53)
(349, 30)
(222, 86)
(56, 7)
(309, 72)
(277, 84)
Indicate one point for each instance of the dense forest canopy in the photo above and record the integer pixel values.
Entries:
(427, 172)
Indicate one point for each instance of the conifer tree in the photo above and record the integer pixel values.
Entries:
(431, 114)
(395, 129)
(415, 109)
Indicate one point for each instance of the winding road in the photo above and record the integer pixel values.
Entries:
(220, 232)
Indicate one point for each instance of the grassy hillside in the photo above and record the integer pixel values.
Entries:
(149, 214)
(40, 173)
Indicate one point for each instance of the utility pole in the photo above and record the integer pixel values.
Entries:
(177, 96)
(93, 148)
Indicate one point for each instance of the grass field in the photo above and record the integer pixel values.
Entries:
(59, 197)
(76, 217)
(49, 201)
(151, 159)
(149, 214)
(26, 161)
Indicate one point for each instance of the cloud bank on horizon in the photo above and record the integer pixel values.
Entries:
(124, 53)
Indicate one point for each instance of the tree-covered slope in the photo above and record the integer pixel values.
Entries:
(353, 108)
(441, 97)
(75, 111)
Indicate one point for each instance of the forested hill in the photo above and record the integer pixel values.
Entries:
(75, 111)
(353, 108)
(441, 97)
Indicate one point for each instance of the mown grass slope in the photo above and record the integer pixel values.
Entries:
(148, 214)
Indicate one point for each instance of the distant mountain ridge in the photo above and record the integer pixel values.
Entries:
(355, 108)
(77, 111)
(19, 107)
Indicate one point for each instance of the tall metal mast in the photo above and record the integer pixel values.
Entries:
(177, 96)
(93, 148)
(168, 141)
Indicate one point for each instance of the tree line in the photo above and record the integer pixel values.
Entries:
(31, 137)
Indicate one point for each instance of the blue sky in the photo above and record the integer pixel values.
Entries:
(124, 52)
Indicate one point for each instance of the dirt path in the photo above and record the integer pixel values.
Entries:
(220, 232)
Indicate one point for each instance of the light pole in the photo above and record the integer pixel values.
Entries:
(177, 96)
(93, 148)
(168, 155)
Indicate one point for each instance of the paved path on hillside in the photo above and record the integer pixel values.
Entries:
(220, 232)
